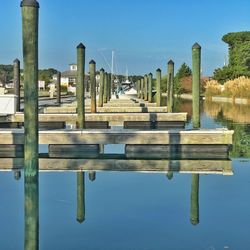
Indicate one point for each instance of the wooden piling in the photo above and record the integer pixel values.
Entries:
(102, 76)
(142, 88)
(80, 91)
(150, 81)
(138, 88)
(170, 94)
(30, 13)
(80, 197)
(58, 87)
(194, 208)
(92, 70)
(145, 87)
(16, 70)
(196, 58)
(158, 87)
(105, 90)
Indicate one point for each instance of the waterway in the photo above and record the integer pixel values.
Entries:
(134, 210)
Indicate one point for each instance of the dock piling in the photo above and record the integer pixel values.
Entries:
(150, 80)
(196, 58)
(80, 91)
(145, 87)
(58, 87)
(170, 97)
(92, 70)
(30, 14)
(16, 70)
(158, 87)
(102, 76)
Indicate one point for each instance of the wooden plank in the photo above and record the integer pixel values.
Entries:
(177, 151)
(156, 166)
(118, 117)
(154, 125)
(107, 109)
(207, 137)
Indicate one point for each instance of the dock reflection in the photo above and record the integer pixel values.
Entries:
(194, 167)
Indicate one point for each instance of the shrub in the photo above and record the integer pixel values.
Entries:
(212, 88)
(239, 87)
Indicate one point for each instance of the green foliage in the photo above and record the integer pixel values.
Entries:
(229, 73)
(239, 57)
(47, 74)
(183, 71)
(6, 73)
(164, 84)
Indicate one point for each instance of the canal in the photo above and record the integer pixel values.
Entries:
(136, 210)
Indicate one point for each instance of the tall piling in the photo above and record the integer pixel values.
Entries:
(194, 208)
(138, 88)
(158, 87)
(80, 197)
(150, 81)
(112, 84)
(145, 87)
(109, 87)
(142, 88)
(92, 70)
(170, 93)
(80, 91)
(30, 13)
(196, 73)
(105, 89)
(58, 87)
(16, 72)
(102, 76)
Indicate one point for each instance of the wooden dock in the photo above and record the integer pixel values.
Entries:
(223, 167)
(123, 136)
(112, 118)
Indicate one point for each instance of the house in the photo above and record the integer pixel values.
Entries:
(69, 77)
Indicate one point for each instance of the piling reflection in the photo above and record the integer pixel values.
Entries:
(80, 197)
(31, 214)
(194, 208)
(92, 175)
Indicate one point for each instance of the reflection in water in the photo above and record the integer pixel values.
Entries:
(194, 209)
(92, 175)
(170, 175)
(80, 197)
(31, 213)
(17, 175)
(231, 115)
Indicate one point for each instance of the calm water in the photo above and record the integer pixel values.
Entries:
(125, 210)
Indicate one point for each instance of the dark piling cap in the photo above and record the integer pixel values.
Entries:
(80, 220)
(80, 46)
(158, 70)
(171, 62)
(102, 69)
(194, 221)
(150, 74)
(30, 3)
(16, 61)
(17, 175)
(92, 62)
(196, 46)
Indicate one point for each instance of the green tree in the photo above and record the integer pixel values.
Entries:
(239, 57)
(183, 71)
(47, 74)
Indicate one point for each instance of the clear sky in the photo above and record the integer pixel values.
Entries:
(144, 34)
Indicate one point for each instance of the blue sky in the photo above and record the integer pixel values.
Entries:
(144, 34)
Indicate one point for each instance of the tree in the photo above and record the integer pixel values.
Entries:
(183, 71)
(47, 74)
(239, 57)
